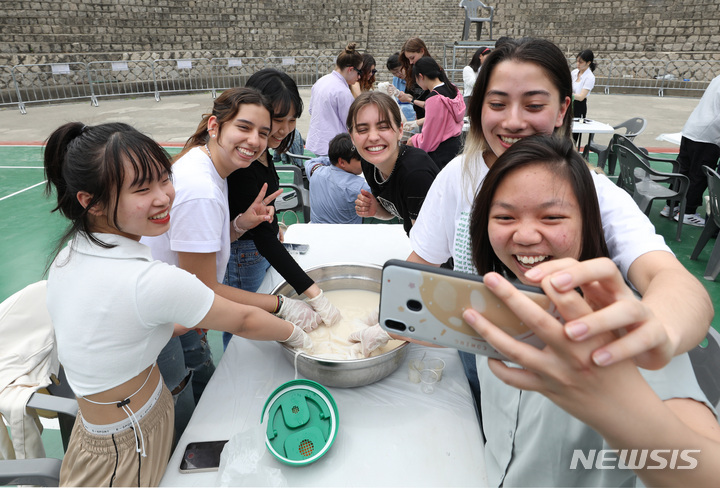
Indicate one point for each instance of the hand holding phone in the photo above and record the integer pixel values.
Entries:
(426, 303)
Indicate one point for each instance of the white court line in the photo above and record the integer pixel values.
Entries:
(21, 167)
(24, 189)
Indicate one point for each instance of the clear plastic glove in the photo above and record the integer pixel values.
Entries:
(370, 338)
(411, 126)
(371, 318)
(329, 313)
(299, 339)
(299, 313)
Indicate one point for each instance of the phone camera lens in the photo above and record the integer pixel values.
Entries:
(395, 325)
(414, 305)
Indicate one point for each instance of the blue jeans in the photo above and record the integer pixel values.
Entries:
(245, 270)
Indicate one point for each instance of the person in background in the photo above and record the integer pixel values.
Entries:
(471, 71)
(261, 247)
(330, 100)
(538, 204)
(113, 307)
(444, 112)
(367, 76)
(335, 183)
(583, 81)
(198, 241)
(699, 146)
(413, 49)
(393, 65)
(399, 175)
(524, 89)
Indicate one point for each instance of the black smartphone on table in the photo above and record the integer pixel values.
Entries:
(426, 303)
(202, 456)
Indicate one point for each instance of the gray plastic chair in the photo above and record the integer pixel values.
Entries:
(298, 198)
(706, 364)
(633, 127)
(646, 184)
(712, 224)
(474, 15)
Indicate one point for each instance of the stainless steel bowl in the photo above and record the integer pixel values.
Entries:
(346, 373)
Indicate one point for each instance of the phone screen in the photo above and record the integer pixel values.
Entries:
(202, 456)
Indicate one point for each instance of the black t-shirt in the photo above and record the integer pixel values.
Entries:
(243, 187)
(419, 94)
(404, 191)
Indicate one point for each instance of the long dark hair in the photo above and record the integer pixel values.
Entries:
(429, 68)
(225, 108)
(92, 159)
(283, 94)
(559, 155)
(412, 45)
(475, 62)
(588, 56)
(367, 77)
(540, 52)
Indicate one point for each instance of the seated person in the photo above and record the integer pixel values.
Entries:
(537, 214)
(335, 183)
(297, 147)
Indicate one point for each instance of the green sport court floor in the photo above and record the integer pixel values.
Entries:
(28, 233)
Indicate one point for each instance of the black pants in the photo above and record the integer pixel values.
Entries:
(446, 151)
(692, 157)
(579, 110)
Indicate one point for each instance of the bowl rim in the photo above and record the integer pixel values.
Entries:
(328, 360)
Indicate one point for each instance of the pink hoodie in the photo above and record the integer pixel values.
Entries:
(443, 120)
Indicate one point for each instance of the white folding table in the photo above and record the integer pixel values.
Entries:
(390, 433)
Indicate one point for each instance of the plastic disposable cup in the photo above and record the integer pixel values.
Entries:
(437, 365)
(414, 368)
(428, 378)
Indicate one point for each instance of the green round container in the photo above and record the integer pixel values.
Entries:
(302, 421)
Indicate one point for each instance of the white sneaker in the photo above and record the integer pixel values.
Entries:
(665, 212)
(694, 220)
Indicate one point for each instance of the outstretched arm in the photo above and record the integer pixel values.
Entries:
(672, 317)
(615, 400)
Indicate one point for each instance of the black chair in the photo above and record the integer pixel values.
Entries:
(712, 224)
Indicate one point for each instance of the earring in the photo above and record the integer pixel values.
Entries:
(352, 149)
(212, 135)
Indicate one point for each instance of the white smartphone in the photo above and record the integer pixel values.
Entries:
(426, 303)
(200, 457)
(297, 248)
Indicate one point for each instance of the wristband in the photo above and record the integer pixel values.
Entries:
(235, 226)
(280, 301)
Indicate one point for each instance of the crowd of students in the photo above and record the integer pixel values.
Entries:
(518, 203)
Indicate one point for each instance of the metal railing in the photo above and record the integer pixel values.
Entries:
(677, 76)
(54, 82)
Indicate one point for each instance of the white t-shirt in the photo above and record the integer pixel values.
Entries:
(442, 229)
(113, 310)
(587, 81)
(703, 125)
(200, 216)
(469, 77)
